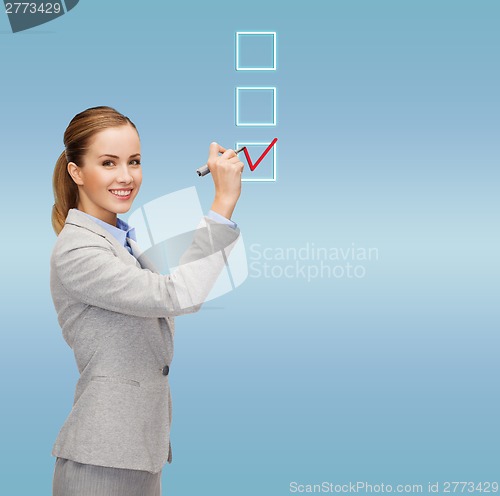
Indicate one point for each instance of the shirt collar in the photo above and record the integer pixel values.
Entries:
(121, 231)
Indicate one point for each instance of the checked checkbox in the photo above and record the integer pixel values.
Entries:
(264, 155)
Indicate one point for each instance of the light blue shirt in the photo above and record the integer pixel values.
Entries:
(122, 230)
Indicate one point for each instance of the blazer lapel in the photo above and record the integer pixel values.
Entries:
(80, 219)
(143, 260)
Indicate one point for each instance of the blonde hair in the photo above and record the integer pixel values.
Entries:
(80, 130)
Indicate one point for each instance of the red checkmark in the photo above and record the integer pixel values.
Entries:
(266, 151)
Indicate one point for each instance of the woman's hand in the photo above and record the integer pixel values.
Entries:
(226, 170)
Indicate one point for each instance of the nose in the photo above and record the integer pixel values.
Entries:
(124, 175)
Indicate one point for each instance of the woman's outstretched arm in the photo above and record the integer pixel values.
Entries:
(85, 267)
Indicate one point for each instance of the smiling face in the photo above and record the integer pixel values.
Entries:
(110, 176)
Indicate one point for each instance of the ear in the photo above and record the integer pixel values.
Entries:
(75, 173)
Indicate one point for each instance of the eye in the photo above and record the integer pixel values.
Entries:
(107, 163)
(135, 162)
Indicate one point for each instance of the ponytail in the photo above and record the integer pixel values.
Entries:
(65, 193)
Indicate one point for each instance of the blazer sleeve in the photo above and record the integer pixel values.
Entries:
(88, 269)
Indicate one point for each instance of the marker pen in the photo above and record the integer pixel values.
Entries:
(204, 170)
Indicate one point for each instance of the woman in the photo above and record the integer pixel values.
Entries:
(117, 312)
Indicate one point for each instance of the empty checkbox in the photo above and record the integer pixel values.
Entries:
(256, 106)
(256, 51)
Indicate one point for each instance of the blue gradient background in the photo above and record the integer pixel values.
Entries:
(388, 126)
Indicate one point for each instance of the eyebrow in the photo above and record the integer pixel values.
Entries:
(114, 156)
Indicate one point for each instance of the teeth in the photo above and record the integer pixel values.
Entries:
(121, 193)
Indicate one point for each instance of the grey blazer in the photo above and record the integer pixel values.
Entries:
(117, 314)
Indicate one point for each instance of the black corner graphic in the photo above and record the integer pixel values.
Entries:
(27, 15)
(70, 4)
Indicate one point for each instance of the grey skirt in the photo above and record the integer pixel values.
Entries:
(80, 479)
